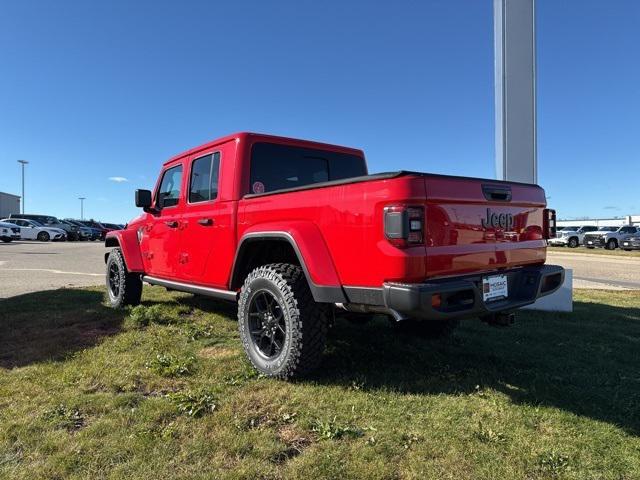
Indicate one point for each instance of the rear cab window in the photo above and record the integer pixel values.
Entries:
(277, 167)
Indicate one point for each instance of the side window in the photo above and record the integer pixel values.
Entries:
(277, 167)
(169, 191)
(205, 171)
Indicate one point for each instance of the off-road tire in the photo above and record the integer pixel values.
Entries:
(43, 236)
(573, 242)
(612, 244)
(129, 285)
(305, 321)
(427, 328)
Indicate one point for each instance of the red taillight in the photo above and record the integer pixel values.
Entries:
(404, 225)
(549, 223)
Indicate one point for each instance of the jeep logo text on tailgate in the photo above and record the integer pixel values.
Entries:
(501, 220)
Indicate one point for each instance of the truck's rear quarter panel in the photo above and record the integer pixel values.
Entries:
(350, 217)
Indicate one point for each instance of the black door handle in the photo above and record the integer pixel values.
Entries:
(171, 223)
(206, 222)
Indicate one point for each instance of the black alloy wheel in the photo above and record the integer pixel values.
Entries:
(267, 324)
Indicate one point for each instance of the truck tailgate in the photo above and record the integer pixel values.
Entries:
(476, 225)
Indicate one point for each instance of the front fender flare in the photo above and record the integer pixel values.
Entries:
(127, 240)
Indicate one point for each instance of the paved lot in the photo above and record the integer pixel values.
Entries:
(599, 271)
(34, 266)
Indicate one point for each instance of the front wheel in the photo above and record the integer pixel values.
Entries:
(573, 242)
(612, 244)
(43, 236)
(283, 330)
(123, 288)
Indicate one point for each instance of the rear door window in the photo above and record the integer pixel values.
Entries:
(169, 191)
(277, 167)
(203, 185)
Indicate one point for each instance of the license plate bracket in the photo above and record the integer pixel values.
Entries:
(495, 287)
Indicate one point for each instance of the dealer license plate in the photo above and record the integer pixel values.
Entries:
(494, 287)
(626, 244)
(590, 242)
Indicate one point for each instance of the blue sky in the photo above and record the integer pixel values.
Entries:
(93, 90)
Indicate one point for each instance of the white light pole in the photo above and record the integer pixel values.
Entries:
(82, 199)
(23, 162)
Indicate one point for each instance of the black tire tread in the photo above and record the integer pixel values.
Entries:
(309, 319)
(131, 284)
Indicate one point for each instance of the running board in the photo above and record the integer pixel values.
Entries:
(190, 288)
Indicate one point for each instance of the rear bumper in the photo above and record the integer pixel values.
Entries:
(462, 297)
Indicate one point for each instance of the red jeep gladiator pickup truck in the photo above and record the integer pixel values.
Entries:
(295, 230)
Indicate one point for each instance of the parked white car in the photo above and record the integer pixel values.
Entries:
(571, 236)
(9, 232)
(32, 230)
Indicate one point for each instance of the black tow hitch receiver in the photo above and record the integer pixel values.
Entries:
(501, 319)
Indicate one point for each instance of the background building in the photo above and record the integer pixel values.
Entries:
(602, 222)
(9, 204)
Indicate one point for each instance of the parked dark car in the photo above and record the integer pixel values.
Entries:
(630, 243)
(112, 226)
(84, 233)
(72, 231)
(98, 230)
(95, 233)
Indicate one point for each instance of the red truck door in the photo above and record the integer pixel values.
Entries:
(160, 241)
(207, 244)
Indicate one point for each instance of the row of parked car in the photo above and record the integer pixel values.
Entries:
(626, 237)
(46, 227)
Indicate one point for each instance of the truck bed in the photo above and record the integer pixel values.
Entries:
(349, 215)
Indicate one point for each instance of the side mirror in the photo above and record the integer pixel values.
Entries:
(143, 198)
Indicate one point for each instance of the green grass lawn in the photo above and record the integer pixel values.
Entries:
(165, 392)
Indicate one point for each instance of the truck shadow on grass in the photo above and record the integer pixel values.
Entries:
(53, 324)
(586, 362)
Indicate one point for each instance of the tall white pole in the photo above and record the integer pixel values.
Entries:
(23, 162)
(515, 90)
(82, 199)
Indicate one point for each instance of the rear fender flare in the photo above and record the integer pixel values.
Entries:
(127, 241)
(312, 252)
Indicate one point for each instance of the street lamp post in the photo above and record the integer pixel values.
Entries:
(23, 162)
(82, 199)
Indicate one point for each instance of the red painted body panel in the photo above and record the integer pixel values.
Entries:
(338, 229)
(310, 242)
(128, 241)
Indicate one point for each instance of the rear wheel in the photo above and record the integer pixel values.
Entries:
(573, 242)
(612, 244)
(43, 236)
(283, 330)
(123, 288)
(427, 328)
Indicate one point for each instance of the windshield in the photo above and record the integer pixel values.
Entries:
(36, 223)
(608, 229)
(570, 229)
